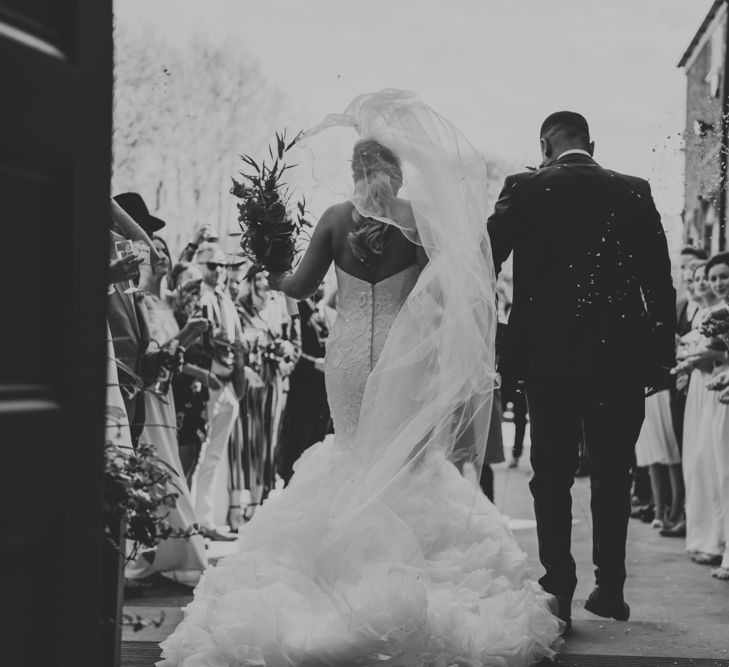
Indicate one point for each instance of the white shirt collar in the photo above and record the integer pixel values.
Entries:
(574, 151)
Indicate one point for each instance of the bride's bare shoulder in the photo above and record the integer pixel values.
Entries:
(402, 208)
(337, 212)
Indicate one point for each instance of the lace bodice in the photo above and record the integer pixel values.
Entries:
(365, 313)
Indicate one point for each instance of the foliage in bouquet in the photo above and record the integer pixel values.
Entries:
(137, 493)
(715, 327)
(716, 323)
(269, 230)
(267, 357)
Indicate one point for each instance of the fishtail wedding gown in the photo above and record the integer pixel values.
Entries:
(421, 575)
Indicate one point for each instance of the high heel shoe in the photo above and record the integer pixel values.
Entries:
(236, 518)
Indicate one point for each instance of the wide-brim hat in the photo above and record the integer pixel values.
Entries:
(134, 205)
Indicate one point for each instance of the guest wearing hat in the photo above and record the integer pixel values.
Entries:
(134, 205)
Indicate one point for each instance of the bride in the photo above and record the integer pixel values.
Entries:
(380, 551)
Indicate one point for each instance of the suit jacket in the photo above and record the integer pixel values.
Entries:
(593, 294)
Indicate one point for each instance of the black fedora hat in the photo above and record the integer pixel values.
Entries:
(133, 204)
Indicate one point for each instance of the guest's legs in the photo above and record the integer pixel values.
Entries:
(486, 481)
(520, 421)
(222, 413)
(642, 484)
(675, 475)
(660, 489)
(555, 434)
(720, 442)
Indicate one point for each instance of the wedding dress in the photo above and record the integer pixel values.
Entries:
(380, 552)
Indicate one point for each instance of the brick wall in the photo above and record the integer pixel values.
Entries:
(703, 177)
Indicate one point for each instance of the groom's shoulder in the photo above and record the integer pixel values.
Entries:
(518, 180)
(635, 182)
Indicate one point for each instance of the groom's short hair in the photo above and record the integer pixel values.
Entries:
(567, 123)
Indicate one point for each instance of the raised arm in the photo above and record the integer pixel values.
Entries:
(131, 230)
(303, 281)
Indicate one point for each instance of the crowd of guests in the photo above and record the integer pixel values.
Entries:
(221, 375)
(684, 442)
(225, 379)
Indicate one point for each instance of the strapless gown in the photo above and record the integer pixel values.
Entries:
(429, 574)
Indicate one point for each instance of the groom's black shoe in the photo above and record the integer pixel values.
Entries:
(608, 604)
(561, 607)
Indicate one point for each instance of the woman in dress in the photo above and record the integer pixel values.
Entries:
(717, 273)
(379, 551)
(264, 324)
(181, 559)
(703, 531)
(657, 449)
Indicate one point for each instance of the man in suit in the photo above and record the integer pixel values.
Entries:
(223, 406)
(592, 324)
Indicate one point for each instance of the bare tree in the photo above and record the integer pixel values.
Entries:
(182, 116)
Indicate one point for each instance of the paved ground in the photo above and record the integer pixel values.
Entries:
(680, 614)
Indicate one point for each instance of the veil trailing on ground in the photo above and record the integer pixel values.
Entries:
(430, 393)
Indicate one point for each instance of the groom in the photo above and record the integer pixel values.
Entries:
(592, 325)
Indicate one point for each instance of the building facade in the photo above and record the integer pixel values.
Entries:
(705, 135)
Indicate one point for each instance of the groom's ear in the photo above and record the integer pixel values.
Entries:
(591, 148)
(546, 147)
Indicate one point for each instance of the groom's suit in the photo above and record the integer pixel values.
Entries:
(592, 323)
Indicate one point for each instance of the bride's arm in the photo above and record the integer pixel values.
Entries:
(303, 281)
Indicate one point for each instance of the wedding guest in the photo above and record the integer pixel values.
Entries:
(190, 389)
(703, 530)
(135, 206)
(127, 319)
(494, 452)
(180, 559)
(306, 416)
(117, 422)
(264, 323)
(204, 234)
(686, 309)
(717, 271)
(686, 305)
(657, 449)
(223, 403)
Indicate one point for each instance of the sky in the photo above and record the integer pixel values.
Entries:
(495, 68)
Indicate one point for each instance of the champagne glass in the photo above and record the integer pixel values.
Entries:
(141, 249)
(124, 249)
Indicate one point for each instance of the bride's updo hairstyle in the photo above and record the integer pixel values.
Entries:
(377, 178)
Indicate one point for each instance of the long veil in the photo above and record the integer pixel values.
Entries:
(430, 393)
(379, 552)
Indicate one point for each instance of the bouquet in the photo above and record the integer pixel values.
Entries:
(269, 230)
(715, 327)
(268, 357)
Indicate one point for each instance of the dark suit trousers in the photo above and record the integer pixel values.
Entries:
(611, 415)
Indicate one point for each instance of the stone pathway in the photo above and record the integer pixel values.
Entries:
(680, 614)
